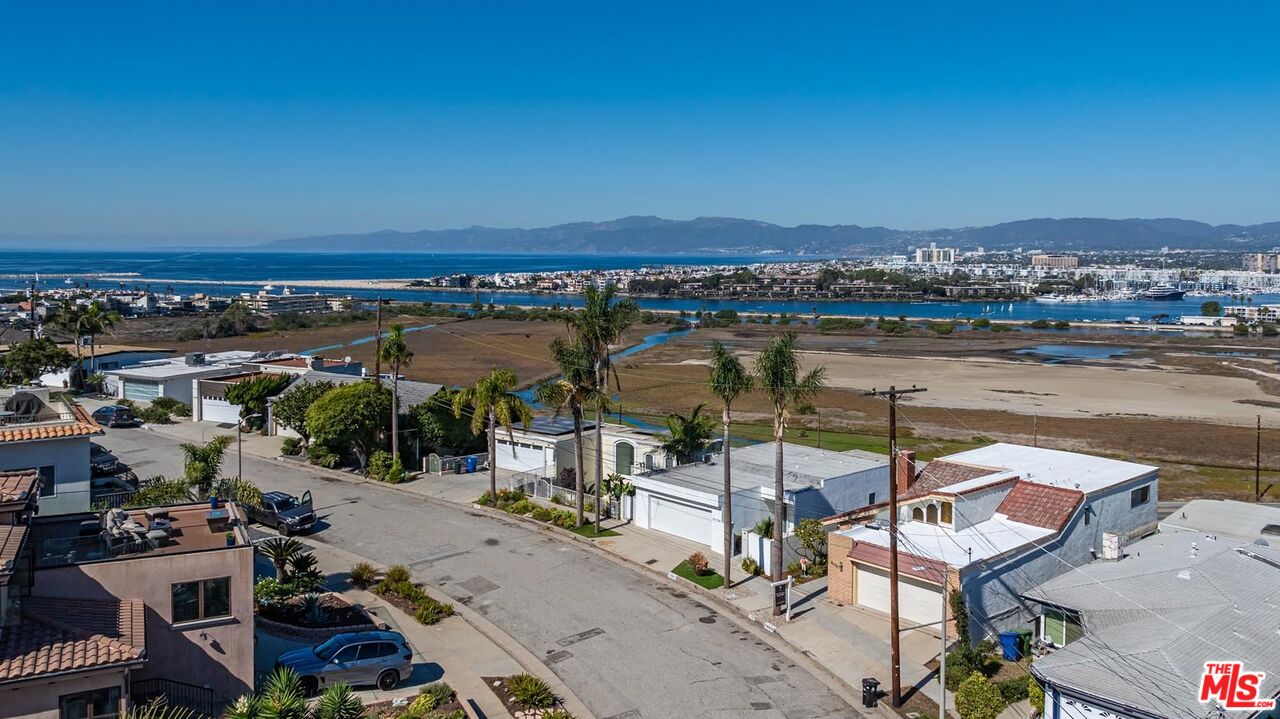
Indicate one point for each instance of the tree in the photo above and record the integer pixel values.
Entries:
(237, 319)
(158, 492)
(729, 380)
(596, 328)
(350, 418)
(978, 698)
(813, 540)
(26, 361)
(778, 375)
(203, 462)
(616, 487)
(252, 395)
(395, 352)
(1211, 308)
(95, 320)
(493, 403)
(290, 408)
(70, 320)
(687, 437)
(281, 551)
(573, 390)
(439, 430)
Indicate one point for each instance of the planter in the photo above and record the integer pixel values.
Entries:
(282, 627)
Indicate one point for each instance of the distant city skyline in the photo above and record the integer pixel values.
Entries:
(240, 122)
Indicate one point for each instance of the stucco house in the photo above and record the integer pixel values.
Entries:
(546, 449)
(991, 523)
(50, 435)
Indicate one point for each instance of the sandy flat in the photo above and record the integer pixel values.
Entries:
(1052, 390)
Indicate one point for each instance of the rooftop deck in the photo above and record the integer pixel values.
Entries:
(95, 537)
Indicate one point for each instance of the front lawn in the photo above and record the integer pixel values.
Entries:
(706, 581)
(588, 530)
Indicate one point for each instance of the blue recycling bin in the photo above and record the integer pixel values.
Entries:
(471, 464)
(1011, 646)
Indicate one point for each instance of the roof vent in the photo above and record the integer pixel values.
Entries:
(194, 359)
(1184, 574)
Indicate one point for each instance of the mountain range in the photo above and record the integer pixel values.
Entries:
(726, 235)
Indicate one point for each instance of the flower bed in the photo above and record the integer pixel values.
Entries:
(314, 617)
(513, 502)
(398, 589)
(436, 700)
(527, 697)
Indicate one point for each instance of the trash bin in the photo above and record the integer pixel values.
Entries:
(457, 467)
(870, 692)
(1025, 645)
(1011, 646)
(471, 464)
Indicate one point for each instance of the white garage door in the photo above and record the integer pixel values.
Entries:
(917, 603)
(141, 391)
(526, 458)
(679, 519)
(220, 411)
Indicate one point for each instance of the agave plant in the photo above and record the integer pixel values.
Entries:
(338, 702)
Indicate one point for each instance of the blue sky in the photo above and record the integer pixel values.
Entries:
(237, 121)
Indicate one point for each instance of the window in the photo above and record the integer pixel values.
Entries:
(96, 704)
(1088, 515)
(1140, 496)
(946, 513)
(917, 514)
(871, 498)
(204, 599)
(376, 651)
(348, 654)
(624, 457)
(931, 514)
(48, 487)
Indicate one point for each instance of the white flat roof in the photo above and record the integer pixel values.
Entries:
(981, 541)
(1070, 470)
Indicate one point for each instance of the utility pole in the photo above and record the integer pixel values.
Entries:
(1035, 430)
(1257, 464)
(894, 621)
(31, 297)
(377, 348)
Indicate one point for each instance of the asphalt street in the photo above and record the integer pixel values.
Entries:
(630, 646)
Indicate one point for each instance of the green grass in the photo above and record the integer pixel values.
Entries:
(706, 581)
(588, 530)
(840, 441)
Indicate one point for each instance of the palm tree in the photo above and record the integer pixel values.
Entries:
(728, 381)
(597, 328)
(96, 320)
(687, 437)
(282, 551)
(203, 462)
(573, 390)
(493, 404)
(70, 320)
(395, 352)
(778, 374)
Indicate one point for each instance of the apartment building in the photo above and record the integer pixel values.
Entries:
(1060, 262)
(287, 301)
(934, 255)
(1268, 262)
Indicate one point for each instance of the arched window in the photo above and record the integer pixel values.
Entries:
(624, 457)
(931, 514)
(946, 513)
(917, 514)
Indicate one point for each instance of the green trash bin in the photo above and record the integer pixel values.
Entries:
(1025, 638)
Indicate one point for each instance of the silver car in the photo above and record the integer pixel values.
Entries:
(358, 658)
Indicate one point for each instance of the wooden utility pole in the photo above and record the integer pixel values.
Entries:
(377, 348)
(31, 297)
(1257, 464)
(894, 624)
(1035, 430)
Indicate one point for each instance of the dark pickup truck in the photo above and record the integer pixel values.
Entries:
(285, 512)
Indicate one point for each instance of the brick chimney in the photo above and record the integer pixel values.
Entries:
(906, 469)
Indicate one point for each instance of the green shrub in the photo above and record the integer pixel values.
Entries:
(268, 590)
(750, 566)
(395, 474)
(982, 323)
(764, 528)
(978, 698)
(530, 692)
(485, 500)
(363, 574)
(556, 714)
(1013, 690)
(1269, 330)
(840, 324)
(1062, 325)
(1241, 329)
(397, 574)
(378, 466)
(565, 519)
(1035, 694)
(440, 693)
(291, 447)
(154, 415)
(543, 514)
(942, 328)
(175, 407)
(430, 611)
(1039, 324)
(522, 506)
(322, 456)
(1001, 328)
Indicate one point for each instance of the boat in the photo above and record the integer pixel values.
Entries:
(1163, 292)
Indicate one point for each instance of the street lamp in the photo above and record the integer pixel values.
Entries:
(240, 443)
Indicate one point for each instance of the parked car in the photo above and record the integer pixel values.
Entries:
(113, 485)
(285, 512)
(101, 461)
(358, 658)
(115, 415)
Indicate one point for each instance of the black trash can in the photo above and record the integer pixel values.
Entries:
(870, 692)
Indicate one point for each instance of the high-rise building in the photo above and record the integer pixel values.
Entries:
(1262, 262)
(933, 254)
(1061, 262)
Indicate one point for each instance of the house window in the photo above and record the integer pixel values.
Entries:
(931, 514)
(48, 487)
(917, 514)
(946, 513)
(1140, 496)
(871, 498)
(624, 457)
(1088, 515)
(96, 704)
(203, 599)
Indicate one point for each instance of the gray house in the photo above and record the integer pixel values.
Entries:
(51, 436)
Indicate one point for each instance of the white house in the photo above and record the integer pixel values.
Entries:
(688, 500)
(992, 523)
(208, 396)
(51, 436)
(546, 448)
(104, 358)
(174, 377)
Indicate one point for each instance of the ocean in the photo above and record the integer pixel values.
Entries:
(281, 268)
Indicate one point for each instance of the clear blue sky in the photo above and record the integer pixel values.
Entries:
(228, 120)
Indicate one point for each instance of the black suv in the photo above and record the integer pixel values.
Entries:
(114, 415)
(102, 462)
(285, 512)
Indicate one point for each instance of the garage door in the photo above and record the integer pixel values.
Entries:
(141, 391)
(679, 519)
(917, 603)
(220, 411)
(527, 458)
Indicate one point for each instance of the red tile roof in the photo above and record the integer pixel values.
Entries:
(66, 635)
(11, 539)
(1040, 505)
(929, 570)
(942, 473)
(17, 486)
(82, 426)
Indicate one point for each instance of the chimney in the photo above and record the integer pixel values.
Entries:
(906, 469)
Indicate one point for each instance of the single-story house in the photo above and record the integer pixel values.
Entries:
(546, 448)
(687, 500)
(1131, 635)
(104, 357)
(209, 403)
(990, 523)
(176, 377)
(302, 364)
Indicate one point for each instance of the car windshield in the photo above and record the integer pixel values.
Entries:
(97, 450)
(327, 650)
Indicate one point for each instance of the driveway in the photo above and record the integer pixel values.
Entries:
(628, 645)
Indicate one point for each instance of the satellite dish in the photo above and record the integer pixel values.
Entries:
(346, 360)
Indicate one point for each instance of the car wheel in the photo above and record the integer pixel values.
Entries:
(310, 686)
(388, 680)
(282, 528)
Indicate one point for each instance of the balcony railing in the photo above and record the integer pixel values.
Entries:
(198, 699)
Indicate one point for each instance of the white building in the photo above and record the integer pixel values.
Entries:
(546, 449)
(1253, 313)
(175, 377)
(51, 436)
(934, 255)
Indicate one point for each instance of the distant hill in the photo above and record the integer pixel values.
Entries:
(727, 235)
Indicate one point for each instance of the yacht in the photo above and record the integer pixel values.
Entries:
(1163, 292)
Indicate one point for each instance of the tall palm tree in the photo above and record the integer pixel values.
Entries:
(687, 437)
(493, 403)
(203, 462)
(70, 320)
(573, 390)
(395, 352)
(597, 328)
(729, 380)
(96, 320)
(778, 374)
